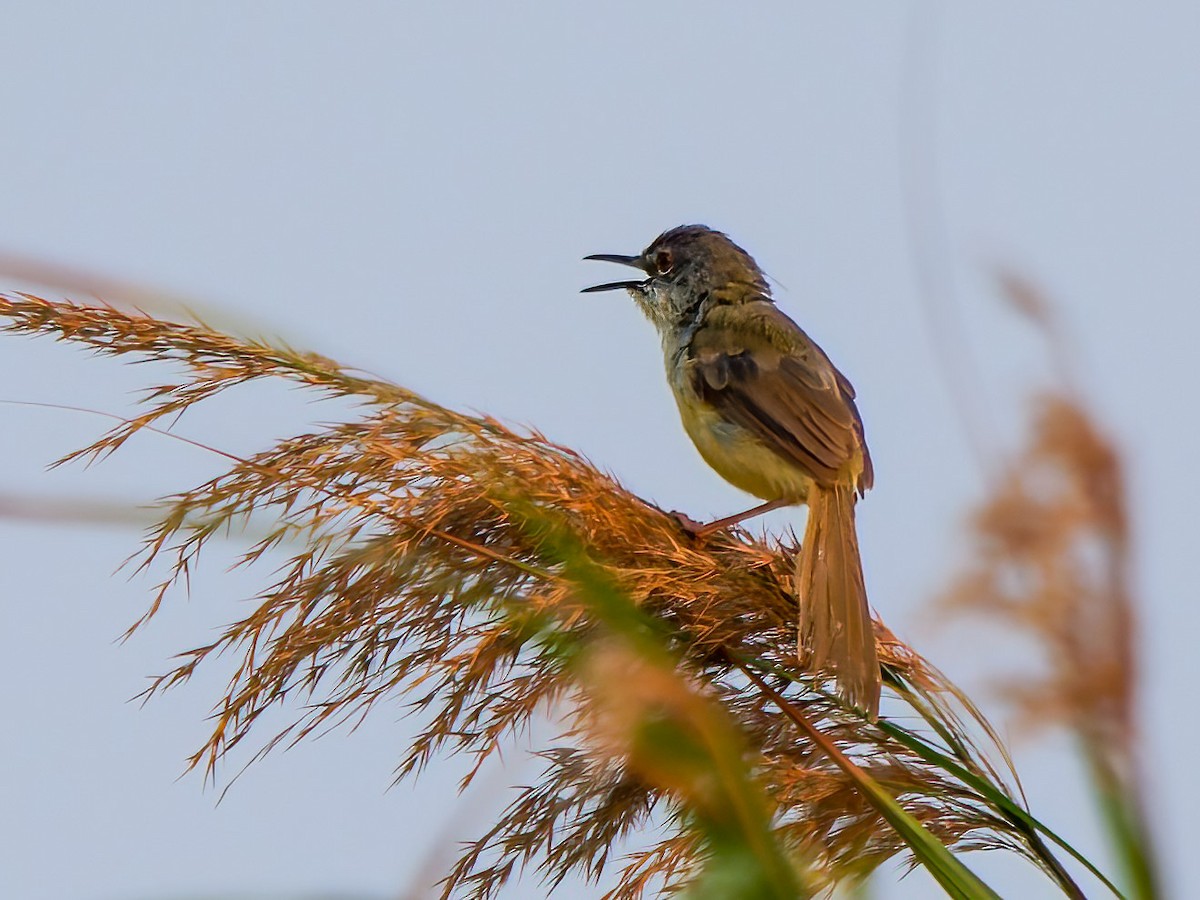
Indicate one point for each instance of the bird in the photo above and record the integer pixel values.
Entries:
(769, 411)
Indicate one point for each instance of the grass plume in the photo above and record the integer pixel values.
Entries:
(1051, 560)
(413, 571)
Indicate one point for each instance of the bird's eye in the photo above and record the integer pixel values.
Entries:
(663, 261)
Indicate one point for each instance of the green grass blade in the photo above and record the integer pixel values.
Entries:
(999, 798)
(951, 873)
(690, 747)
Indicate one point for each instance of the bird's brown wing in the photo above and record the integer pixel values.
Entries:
(762, 372)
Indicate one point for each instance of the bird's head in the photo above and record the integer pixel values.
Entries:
(688, 268)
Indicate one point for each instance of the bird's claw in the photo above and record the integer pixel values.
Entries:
(690, 525)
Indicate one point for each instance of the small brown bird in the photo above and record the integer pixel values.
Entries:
(768, 410)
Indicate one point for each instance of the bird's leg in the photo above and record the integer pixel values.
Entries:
(691, 526)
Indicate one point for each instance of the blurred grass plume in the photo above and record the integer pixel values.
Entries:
(1051, 560)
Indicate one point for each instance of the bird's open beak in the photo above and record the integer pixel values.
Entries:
(635, 261)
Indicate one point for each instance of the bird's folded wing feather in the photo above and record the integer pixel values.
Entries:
(762, 372)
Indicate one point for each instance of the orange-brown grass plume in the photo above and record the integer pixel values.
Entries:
(413, 571)
(1052, 561)
(1052, 557)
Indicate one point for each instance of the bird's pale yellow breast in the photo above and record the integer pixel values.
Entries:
(736, 454)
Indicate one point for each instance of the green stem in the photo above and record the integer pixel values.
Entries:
(1127, 829)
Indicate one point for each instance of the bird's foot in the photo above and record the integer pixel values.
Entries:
(690, 525)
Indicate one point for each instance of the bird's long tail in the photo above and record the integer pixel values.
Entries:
(835, 620)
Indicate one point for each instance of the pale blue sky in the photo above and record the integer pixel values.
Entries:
(410, 189)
